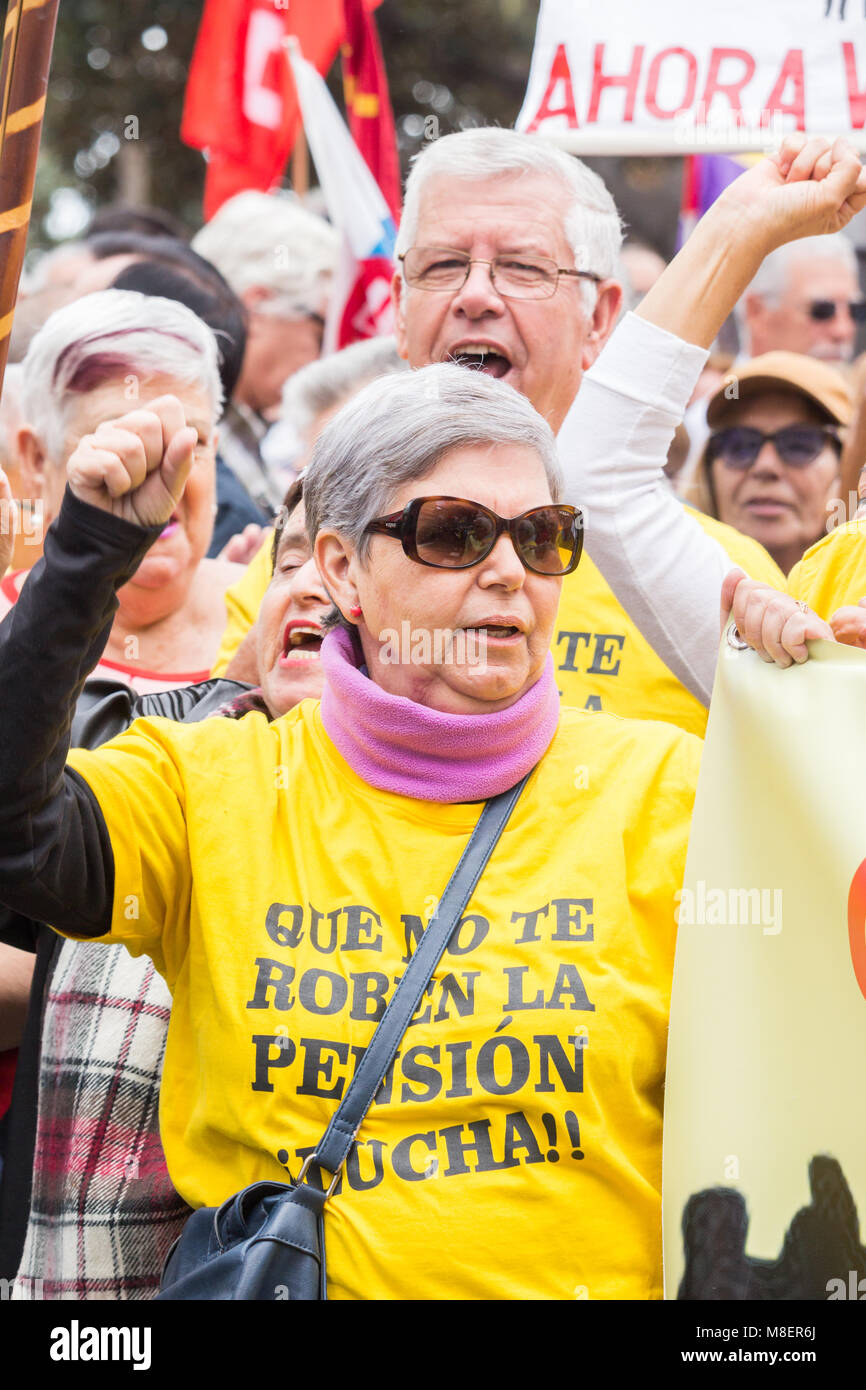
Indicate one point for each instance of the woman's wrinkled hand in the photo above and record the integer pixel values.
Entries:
(136, 467)
(8, 523)
(775, 625)
(849, 624)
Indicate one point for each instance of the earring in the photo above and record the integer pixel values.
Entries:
(355, 612)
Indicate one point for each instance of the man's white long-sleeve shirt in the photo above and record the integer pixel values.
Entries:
(663, 567)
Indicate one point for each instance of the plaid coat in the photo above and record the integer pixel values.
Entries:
(103, 1209)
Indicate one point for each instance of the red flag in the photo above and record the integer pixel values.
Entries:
(368, 105)
(240, 99)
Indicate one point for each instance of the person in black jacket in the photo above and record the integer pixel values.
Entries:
(86, 1206)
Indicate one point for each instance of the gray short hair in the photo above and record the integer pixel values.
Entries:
(270, 241)
(398, 428)
(592, 224)
(771, 278)
(327, 382)
(106, 336)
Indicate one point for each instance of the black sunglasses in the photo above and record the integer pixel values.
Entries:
(822, 310)
(796, 445)
(450, 533)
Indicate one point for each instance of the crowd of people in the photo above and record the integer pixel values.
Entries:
(276, 624)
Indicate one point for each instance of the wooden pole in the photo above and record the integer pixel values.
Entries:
(28, 38)
(301, 164)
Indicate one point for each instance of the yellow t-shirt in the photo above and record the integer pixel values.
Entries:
(832, 572)
(242, 603)
(515, 1151)
(603, 662)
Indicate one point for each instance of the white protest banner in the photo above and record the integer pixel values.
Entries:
(673, 76)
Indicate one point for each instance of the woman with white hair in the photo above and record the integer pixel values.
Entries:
(279, 259)
(103, 356)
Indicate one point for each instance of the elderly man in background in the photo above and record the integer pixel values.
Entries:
(279, 259)
(805, 298)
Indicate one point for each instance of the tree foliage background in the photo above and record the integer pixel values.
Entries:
(121, 61)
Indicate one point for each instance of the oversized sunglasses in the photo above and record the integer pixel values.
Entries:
(450, 533)
(822, 310)
(796, 445)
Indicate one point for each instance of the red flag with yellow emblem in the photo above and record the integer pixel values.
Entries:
(368, 104)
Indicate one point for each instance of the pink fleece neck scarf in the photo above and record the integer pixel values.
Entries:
(400, 746)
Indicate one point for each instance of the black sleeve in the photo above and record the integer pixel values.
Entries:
(106, 708)
(56, 862)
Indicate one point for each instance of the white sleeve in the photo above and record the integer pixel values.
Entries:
(663, 567)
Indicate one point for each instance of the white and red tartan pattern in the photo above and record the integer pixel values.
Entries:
(104, 1212)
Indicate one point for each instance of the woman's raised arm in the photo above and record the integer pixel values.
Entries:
(664, 569)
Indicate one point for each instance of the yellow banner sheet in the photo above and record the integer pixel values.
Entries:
(765, 1102)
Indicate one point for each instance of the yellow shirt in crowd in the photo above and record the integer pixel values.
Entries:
(515, 1151)
(603, 662)
(832, 572)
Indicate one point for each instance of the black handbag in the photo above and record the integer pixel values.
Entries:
(267, 1242)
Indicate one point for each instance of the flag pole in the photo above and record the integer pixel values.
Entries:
(301, 152)
(28, 38)
(301, 163)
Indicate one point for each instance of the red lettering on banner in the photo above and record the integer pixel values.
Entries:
(731, 89)
(856, 95)
(560, 72)
(652, 82)
(601, 80)
(790, 71)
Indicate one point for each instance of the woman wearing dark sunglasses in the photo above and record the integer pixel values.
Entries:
(280, 874)
(771, 464)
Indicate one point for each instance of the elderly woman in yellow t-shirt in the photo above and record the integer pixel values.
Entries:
(278, 874)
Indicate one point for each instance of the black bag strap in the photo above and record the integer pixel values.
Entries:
(336, 1143)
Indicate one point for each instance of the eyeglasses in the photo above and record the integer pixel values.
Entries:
(449, 533)
(513, 277)
(796, 445)
(822, 310)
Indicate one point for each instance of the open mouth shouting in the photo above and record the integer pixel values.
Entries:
(481, 356)
(499, 628)
(302, 641)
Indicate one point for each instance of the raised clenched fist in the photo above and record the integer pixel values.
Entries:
(807, 188)
(135, 467)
